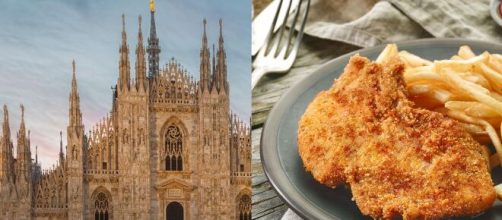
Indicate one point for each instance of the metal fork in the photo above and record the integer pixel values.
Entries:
(273, 56)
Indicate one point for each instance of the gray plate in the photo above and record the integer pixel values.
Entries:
(279, 153)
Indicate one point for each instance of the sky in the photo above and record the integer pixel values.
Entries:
(39, 40)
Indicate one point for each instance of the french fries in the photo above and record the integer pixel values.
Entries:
(467, 87)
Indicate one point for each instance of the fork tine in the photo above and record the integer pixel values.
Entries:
(272, 51)
(300, 32)
(271, 31)
(283, 26)
(292, 29)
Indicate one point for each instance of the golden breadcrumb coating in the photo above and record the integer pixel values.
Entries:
(399, 161)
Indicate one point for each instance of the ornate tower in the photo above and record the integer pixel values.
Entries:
(153, 45)
(124, 67)
(204, 63)
(140, 61)
(221, 66)
(23, 171)
(61, 154)
(133, 155)
(23, 163)
(6, 157)
(74, 156)
(214, 152)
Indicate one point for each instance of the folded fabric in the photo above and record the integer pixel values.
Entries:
(367, 23)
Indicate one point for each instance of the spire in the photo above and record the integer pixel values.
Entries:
(214, 77)
(6, 156)
(214, 63)
(221, 32)
(22, 128)
(204, 61)
(153, 45)
(61, 155)
(124, 68)
(21, 136)
(75, 116)
(23, 163)
(36, 154)
(140, 59)
(6, 127)
(222, 65)
(73, 79)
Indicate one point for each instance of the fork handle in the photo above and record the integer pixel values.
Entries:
(256, 76)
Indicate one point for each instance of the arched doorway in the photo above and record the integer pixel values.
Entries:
(101, 207)
(174, 211)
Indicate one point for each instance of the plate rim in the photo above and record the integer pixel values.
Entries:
(271, 127)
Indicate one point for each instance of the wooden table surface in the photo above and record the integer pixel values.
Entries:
(313, 52)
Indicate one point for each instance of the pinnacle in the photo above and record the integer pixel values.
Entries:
(5, 112)
(22, 117)
(139, 21)
(221, 25)
(123, 22)
(74, 78)
(73, 65)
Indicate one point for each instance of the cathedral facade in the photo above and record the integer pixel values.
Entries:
(170, 148)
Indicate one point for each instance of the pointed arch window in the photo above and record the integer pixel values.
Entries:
(101, 207)
(173, 146)
(245, 208)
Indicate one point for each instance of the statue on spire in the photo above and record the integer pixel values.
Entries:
(153, 48)
(152, 5)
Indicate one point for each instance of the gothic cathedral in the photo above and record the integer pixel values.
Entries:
(170, 149)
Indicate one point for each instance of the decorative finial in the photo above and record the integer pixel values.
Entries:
(61, 143)
(22, 113)
(221, 26)
(36, 154)
(152, 5)
(5, 113)
(73, 66)
(139, 21)
(123, 22)
(204, 22)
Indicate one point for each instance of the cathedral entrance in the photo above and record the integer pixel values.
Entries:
(174, 211)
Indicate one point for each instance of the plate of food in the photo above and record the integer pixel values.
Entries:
(408, 130)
